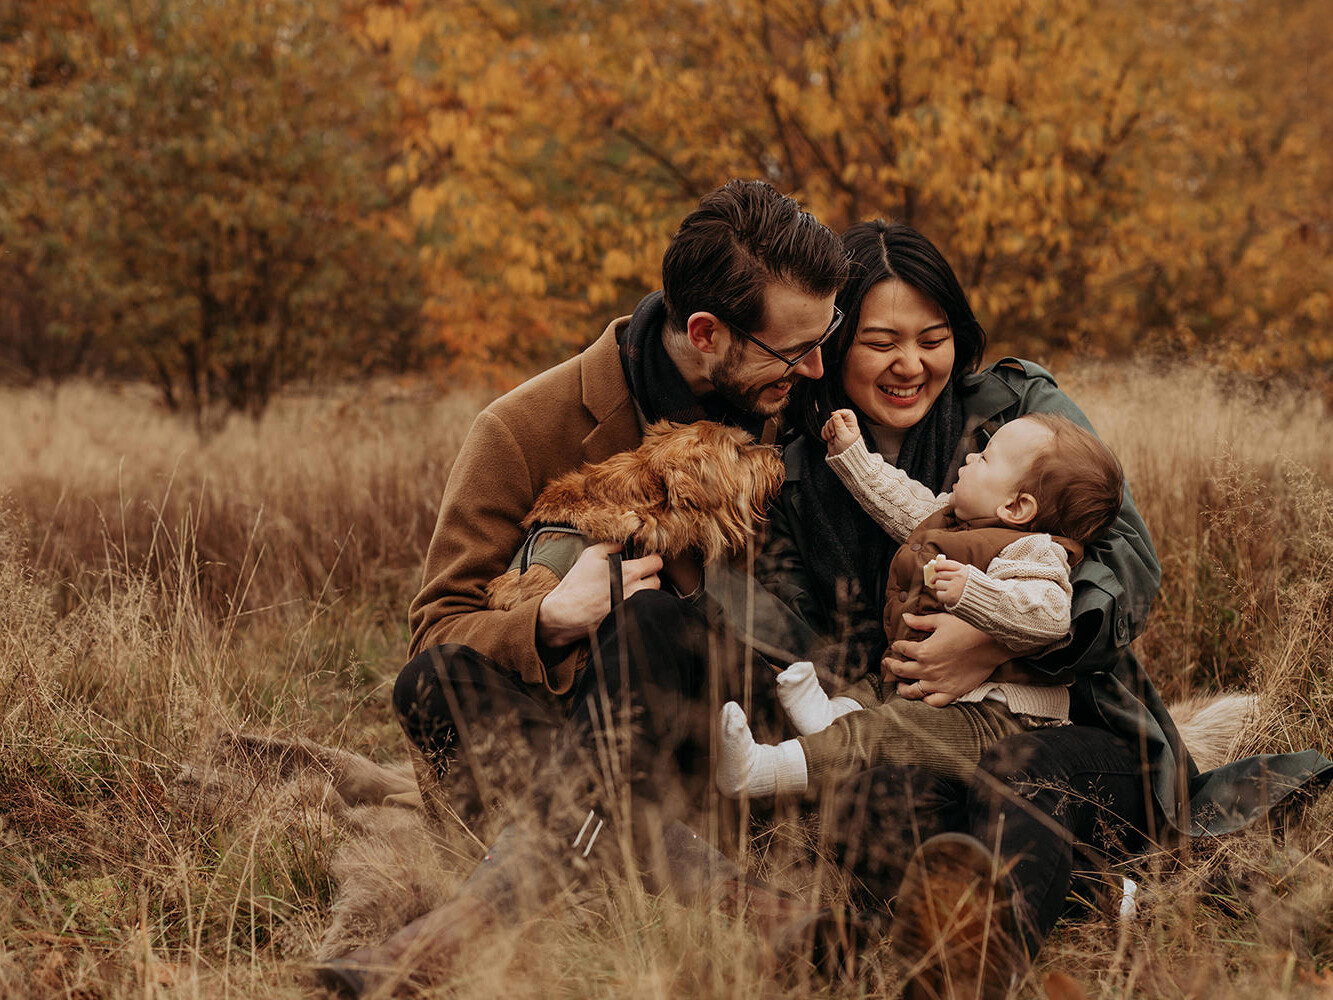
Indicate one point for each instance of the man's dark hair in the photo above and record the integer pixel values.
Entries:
(743, 237)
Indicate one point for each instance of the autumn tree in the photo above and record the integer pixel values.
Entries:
(40, 332)
(228, 195)
(203, 191)
(1051, 148)
(1237, 199)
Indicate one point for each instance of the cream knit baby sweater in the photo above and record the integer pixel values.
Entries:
(1022, 598)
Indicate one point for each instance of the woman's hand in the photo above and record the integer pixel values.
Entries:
(949, 662)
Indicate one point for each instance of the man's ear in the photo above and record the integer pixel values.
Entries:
(705, 332)
(1018, 512)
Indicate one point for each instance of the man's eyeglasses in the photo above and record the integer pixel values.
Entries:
(791, 362)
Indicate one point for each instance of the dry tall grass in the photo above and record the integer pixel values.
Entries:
(156, 590)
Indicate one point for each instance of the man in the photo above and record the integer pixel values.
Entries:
(748, 286)
(748, 283)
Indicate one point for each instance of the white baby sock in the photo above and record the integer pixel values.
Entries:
(806, 704)
(757, 769)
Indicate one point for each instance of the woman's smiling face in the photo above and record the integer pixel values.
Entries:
(902, 356)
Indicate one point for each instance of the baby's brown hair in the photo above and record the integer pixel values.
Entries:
(1076, 480)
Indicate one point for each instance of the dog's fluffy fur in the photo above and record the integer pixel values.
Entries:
(699, 488)
(1212, 726)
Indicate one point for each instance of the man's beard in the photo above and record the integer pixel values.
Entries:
(734, 392)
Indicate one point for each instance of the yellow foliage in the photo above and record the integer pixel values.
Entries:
(200, 195)
(1104, 175)
(617, 264)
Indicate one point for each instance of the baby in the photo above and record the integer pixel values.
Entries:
(996, 553)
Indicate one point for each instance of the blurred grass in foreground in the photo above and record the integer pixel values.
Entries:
(156, 590)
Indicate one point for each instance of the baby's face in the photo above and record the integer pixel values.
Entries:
(990, 479)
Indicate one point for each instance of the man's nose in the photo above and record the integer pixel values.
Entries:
(812, 365)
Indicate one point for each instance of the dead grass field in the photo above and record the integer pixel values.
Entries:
(157, 591)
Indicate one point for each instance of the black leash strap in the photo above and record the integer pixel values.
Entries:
(613, 561)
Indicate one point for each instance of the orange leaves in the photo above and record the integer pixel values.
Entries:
(223, 229)
(962, 118)
(1105, 173)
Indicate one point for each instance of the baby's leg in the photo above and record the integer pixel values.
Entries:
(747, 767)
(805, 702)
(946, 741)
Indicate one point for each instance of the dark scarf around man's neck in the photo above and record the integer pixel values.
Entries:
(657, 384)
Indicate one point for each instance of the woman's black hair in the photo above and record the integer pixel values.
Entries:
(884, 251)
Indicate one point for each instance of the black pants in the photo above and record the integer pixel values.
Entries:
(655, 659)
(1051, 802)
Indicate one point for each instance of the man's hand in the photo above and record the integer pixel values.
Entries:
(951, 661)
(582, 599)
(840, 431)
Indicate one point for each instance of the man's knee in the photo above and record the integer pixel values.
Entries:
(418, 693)
(409, 690)
(652, 643)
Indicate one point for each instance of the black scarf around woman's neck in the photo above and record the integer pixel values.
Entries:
(849, 553)
(657, 384)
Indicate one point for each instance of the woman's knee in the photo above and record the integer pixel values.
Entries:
(897, 805)
(1013, 760)
(1019, 791)
(874, 822)
(1057, 785)
(1058, 757)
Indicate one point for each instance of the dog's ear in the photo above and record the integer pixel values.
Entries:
(673, 459)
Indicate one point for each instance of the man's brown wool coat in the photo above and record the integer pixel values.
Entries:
(579, 411)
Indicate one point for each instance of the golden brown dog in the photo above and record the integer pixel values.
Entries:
(696, 488)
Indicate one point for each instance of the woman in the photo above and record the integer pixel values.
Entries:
(906, 360)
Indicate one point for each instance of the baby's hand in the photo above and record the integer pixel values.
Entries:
(947, 578)
(841, 431)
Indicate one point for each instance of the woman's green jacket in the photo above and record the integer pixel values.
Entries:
(1114, 587)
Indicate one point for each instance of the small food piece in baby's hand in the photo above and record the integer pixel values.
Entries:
(928, 570)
